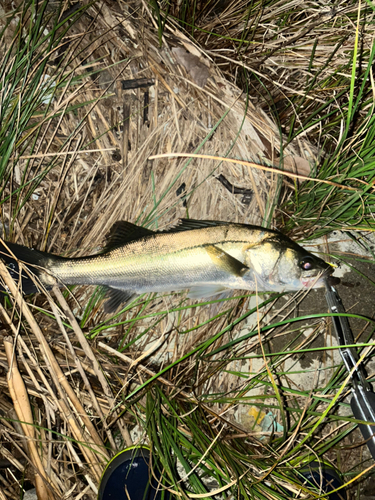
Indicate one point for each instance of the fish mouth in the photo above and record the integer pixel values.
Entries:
(313, 282)
(317, 280)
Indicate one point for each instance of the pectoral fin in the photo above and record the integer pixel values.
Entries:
(226, 262)
(199, 292)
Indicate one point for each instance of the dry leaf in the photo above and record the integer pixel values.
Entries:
(194, 66)
(296, 164)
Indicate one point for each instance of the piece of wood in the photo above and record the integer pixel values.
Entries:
(21, 403)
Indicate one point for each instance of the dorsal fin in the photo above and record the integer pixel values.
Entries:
(189, 224)
(123, 232)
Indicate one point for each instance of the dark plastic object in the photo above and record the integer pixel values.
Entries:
(130, 470)
(363, 401)
(363, 408)
(324, 478)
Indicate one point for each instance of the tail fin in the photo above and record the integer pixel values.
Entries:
(34, 261)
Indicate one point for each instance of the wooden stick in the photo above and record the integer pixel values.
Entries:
(253, 165)
(21, 403)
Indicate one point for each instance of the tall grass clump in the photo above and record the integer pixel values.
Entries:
(319, 209)
(37, 89)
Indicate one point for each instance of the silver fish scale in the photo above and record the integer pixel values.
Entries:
(162, 262)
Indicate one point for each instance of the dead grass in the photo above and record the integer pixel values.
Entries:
(297, 56)
(102, 174)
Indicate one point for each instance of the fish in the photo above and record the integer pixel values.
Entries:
(202, 256)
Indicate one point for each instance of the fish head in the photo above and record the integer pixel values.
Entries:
(280, 265)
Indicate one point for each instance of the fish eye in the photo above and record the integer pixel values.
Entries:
(307, 263)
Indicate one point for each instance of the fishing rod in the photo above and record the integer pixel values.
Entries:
(363, 400)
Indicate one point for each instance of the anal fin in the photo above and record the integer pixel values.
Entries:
(116, 298)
